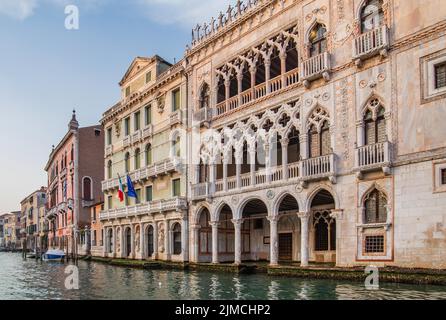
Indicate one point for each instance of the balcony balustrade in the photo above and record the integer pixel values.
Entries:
(370, 44)
(136, 137)
(316, 67)
(298, 172)
(203, 115)
(147, 131)
(177, 204)
(374, 156)
(157, 169)
(127, 141)
(176, 117)
(259, 91)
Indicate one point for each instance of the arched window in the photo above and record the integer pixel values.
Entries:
(293, 146)
(320, 140)
(176, 234)
(137, 159)
(318, 40)
(87, 189)
(205, 233)
(204, 96)
(110, 169)
(148, 155)
(372, 15)
(375, 123)
(375, 207)
(110, 241)
(324, 231)
(127, 162)
(204, 172)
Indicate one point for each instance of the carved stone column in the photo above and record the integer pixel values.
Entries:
(304, 147)
(142, 246)
(253, 71)
(195, 231)
(155, 241)
(184, 238)
(267, 74)
(283, 56)
(268, 162)
(238, 169)
(106, 242)
(274, 241)
(240, 86)
(167, 241)
(252, 158)
(237, 241)
(284, 142)
(304, 233)
(132, 240)
(214, 225)
(227, 92)
(338, 215)
(225, 174)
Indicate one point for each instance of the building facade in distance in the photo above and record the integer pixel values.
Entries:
(75, 173)
(11, 229)
(96, 230)
(145, 139)
(31, 208)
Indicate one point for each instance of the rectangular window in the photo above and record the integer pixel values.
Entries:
(127, 126)
(440, 75)
(374, 244)
(110, 202)
(149, 194)
(176, 103)
(127, 91)
(109, 136)
(148, 76)
(176, 187)
(443, 176)
(137, 121)
(138, 195)
(148, 115)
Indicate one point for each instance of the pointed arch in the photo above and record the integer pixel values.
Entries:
(322, 187)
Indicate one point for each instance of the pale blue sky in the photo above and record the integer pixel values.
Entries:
(46, 71)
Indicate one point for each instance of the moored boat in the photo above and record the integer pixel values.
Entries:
(53, 255)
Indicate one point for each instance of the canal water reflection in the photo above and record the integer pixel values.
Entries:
(29, 279)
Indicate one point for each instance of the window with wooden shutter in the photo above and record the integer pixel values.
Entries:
(375, 208)
(440, 75)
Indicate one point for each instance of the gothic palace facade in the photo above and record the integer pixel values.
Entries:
(292, 131)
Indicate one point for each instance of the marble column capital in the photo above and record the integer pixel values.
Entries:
(273, 219)
(237, 222)
(304, 215)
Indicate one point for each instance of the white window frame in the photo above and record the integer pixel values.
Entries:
(428, 64)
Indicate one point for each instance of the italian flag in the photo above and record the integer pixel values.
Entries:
(120, 190)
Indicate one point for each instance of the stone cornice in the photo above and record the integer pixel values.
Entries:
(165, 78)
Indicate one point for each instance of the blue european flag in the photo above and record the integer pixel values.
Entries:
(130, 188)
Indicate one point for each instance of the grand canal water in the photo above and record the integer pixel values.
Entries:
(29, 279)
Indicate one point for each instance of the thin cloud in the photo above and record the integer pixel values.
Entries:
(186, 13)
(18, 9)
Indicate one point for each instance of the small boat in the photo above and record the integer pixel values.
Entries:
(32, 255)
(53, 255)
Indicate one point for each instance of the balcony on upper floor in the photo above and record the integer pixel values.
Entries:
(147, 131)
(373, 157)
(176, 117)
(315, 68)
(300, 172)
(157, 206)
(136, 136)
(260, 91)
(152, 171)
(371, 43)
(127, 141)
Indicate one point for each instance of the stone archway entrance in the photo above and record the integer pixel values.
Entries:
(288, 229)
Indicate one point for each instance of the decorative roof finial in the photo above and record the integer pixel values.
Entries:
(73, 124)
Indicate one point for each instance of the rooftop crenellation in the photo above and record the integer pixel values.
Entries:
(231, 15)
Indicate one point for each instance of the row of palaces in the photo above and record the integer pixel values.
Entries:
(306, 131)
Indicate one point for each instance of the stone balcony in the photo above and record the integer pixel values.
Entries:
(373, 157)
(261, 91)
(369, 44)
(173, 204)
(152, 171)
(147, 131)
(136, 137)
(176, 117)
(297, 173)
(315, 68)
(127, 141)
